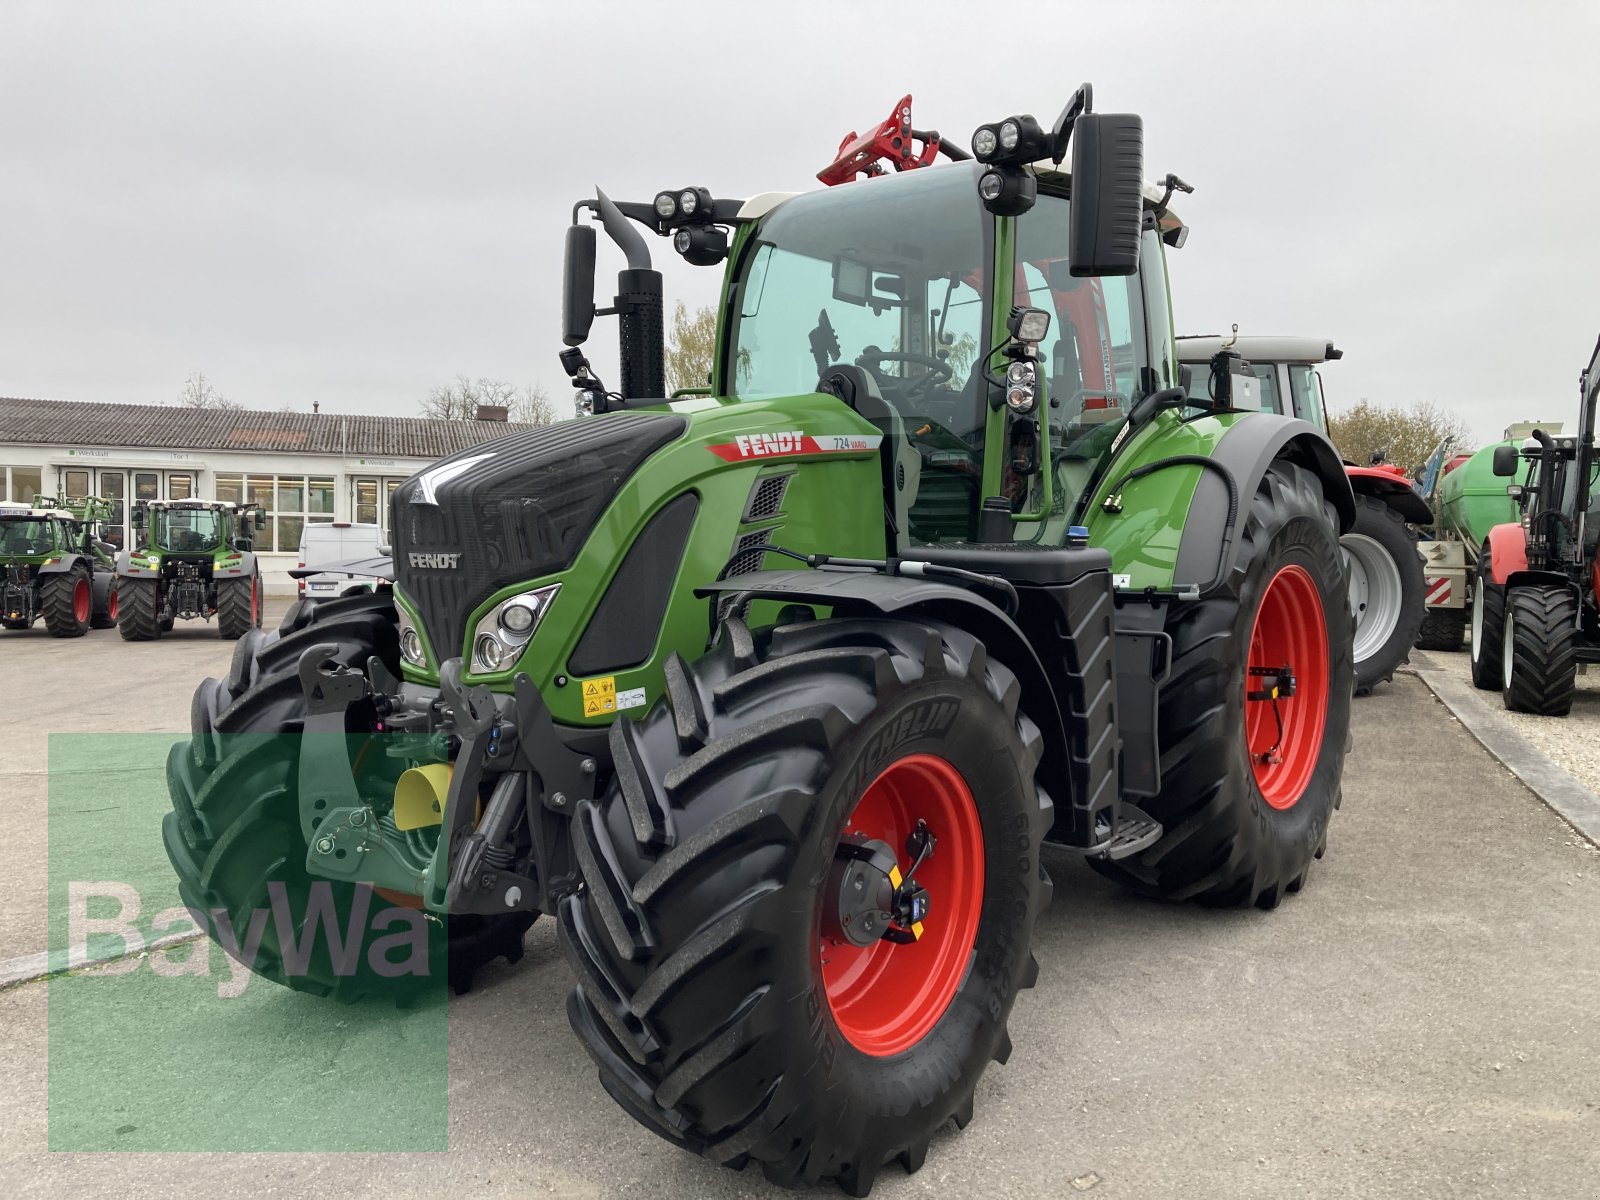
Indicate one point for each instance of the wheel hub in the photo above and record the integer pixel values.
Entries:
(868, 899)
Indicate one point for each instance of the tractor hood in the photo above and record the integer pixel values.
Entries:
(513, 509)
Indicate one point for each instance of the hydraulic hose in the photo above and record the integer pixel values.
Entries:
(1191, 460)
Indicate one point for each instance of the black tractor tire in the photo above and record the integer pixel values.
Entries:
(1488, 627)
(1539, 660)
(1396, 601)
(238, 607)
(697, 937)
(66, 598)
(138, 618)
(1224, 842)
(1442, 629)
(107, 616)
(234, 829)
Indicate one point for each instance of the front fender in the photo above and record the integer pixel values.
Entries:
(1508, 552)
(67, 562)
(1393, 491)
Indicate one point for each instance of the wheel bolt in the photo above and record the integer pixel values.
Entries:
(325, 845)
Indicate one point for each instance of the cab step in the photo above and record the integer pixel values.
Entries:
(1136, 830)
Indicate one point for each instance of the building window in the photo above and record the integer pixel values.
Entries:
(180, 487)
(26, 483)
(289, 501)
(75, 483)
(369, 499)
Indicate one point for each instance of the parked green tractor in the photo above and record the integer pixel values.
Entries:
(193, 562)
(55, 567)
(772, 697)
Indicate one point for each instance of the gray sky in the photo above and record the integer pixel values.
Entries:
(350, 202)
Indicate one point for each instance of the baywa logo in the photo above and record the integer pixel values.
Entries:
(434, 561)
(397, 945)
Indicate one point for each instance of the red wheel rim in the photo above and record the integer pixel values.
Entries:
(1290, 630)
(255, 604)
(112, 605)
(887, 996)
(80, 601)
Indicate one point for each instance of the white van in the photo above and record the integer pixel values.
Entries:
(336, 542)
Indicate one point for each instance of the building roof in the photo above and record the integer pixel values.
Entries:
(79, 423)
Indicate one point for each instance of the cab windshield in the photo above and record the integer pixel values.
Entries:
(887, 274)
(25, 537)
(186, 530)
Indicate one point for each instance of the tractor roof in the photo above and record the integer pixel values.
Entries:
(1259, 348)
(17, 510)
(225, 505)
(761, 204)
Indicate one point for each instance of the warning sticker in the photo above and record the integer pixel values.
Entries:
(599, 696)
(632, 698)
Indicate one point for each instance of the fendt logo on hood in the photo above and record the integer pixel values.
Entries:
(434, 561)
(757, 444)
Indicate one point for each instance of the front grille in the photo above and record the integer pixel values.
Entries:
(511, 510)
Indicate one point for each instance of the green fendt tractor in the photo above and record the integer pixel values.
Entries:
(193, 561)
(55, 566)
(772, 696)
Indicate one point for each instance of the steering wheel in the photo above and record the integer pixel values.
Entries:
(939, 370)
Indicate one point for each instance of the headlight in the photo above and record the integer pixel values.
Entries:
(502, 633)
(1009, 133)
(688, 202)
(412, 648)
(984, 143)
(666, 206)
(991, 185)
(1021, 387)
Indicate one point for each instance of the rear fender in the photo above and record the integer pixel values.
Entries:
(67, 562)
(1393, 490)
(1542, 579)
(1508, 552)
(129, 567)
(1247, 450)
(235, 568)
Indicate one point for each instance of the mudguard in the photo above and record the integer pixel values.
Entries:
(861, 593)
(234, 568)
(1247, 449)
(1508, 552)
(1393, 490)
(134, 564)
(66, 562)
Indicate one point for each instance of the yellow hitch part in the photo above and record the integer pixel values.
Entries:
(419, 796)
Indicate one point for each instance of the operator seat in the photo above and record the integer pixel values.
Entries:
(857, 388)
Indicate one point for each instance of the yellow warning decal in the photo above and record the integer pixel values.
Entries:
(599, 696)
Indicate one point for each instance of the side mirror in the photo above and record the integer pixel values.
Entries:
(577, 291)
(261, 519)
(1107, 194)
(1233, 385)
(1505, 461)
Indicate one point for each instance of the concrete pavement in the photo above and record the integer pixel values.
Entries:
(1423, 1020)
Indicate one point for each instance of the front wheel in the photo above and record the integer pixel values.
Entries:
(1488, 626)
(1442, 629)
(1386, 590)
(67, 599)
(1252, 743)
(809, 895)
(1539, 660)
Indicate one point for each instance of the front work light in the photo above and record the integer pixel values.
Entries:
(984, 143)
(666, 206)
(1031, 325)
(1007, 191)
(701, 245)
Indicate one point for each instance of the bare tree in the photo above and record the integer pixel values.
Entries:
(459, 399)
(1403, 436)
(197, 392)
(533, 406)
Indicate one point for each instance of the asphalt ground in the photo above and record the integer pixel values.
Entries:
(1422, 1020)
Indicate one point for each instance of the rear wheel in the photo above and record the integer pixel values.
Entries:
(757, 981)
(234, 834)
(1488, 626)
(1539, 661)
(1385, 574)
(67, 601)
(137, 617)
(1442, 629)
(238, 606)
(1252, 745)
